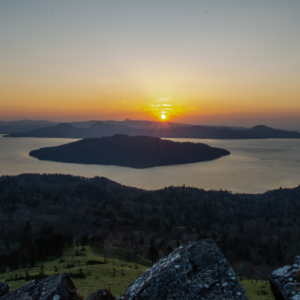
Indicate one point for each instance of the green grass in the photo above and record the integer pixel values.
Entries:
(117, 273)
(114, 274)
(257, 289)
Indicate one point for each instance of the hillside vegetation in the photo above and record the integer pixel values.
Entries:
(257, 233)
(93, 265)
(102, 269)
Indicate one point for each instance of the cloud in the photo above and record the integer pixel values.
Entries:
(191, 108)
(121, 101)
(164, 99)
(161, 107)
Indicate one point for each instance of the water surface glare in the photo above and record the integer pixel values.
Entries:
(254, 166)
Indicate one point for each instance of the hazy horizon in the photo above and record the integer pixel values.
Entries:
(290, 124)
(232, 63)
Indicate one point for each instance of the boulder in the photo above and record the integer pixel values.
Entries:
(4, 289)
(58, 287)
(285, 281)
(101, 295)
(197, 270)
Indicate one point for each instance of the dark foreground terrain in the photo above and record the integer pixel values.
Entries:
(135, 152)
(256, 232)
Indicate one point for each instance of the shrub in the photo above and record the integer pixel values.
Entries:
(94, 262)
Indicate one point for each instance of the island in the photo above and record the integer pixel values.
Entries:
(136, 152)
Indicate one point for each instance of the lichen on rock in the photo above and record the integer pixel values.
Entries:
(284, 281)
(197, 270)
(58, 287)
(4, 289)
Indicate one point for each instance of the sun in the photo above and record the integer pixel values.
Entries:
(163, 116)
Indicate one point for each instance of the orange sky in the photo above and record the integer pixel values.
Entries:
(54, 101)
(196, 62)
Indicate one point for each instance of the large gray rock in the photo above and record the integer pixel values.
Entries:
(4, 289)
(101, 295)
(58, 287)
(198, 270)
(285, 283)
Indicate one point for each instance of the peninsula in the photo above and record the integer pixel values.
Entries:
(135, 152)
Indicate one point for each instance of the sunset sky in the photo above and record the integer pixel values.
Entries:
(234, 62)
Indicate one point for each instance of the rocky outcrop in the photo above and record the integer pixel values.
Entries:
(4, 289)
(58, 287)
(101, 295)
(285, 281)
(198, 270)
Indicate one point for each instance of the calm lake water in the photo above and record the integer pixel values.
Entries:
(254, 166)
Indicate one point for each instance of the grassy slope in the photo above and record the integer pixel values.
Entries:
(257, 289)
(103, 275)
(100, 275)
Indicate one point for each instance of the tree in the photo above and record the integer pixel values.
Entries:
(152, 253)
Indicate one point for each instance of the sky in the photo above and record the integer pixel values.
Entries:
(199, 62)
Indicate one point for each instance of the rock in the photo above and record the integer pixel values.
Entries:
(198, 270)
(58, 287)
(4, 289)
(285, 281)
(101, 295)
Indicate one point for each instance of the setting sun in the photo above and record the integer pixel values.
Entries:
(163, 117)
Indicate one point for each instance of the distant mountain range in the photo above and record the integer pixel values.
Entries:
(91, 129)
(135, 152)
(24, 125)
(28, 125)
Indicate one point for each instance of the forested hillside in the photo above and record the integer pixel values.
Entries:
(256, 233)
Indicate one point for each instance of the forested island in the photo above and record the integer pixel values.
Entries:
(135, 152)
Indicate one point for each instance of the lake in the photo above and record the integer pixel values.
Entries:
(254, 166)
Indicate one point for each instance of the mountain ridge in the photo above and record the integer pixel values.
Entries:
(156, 129)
